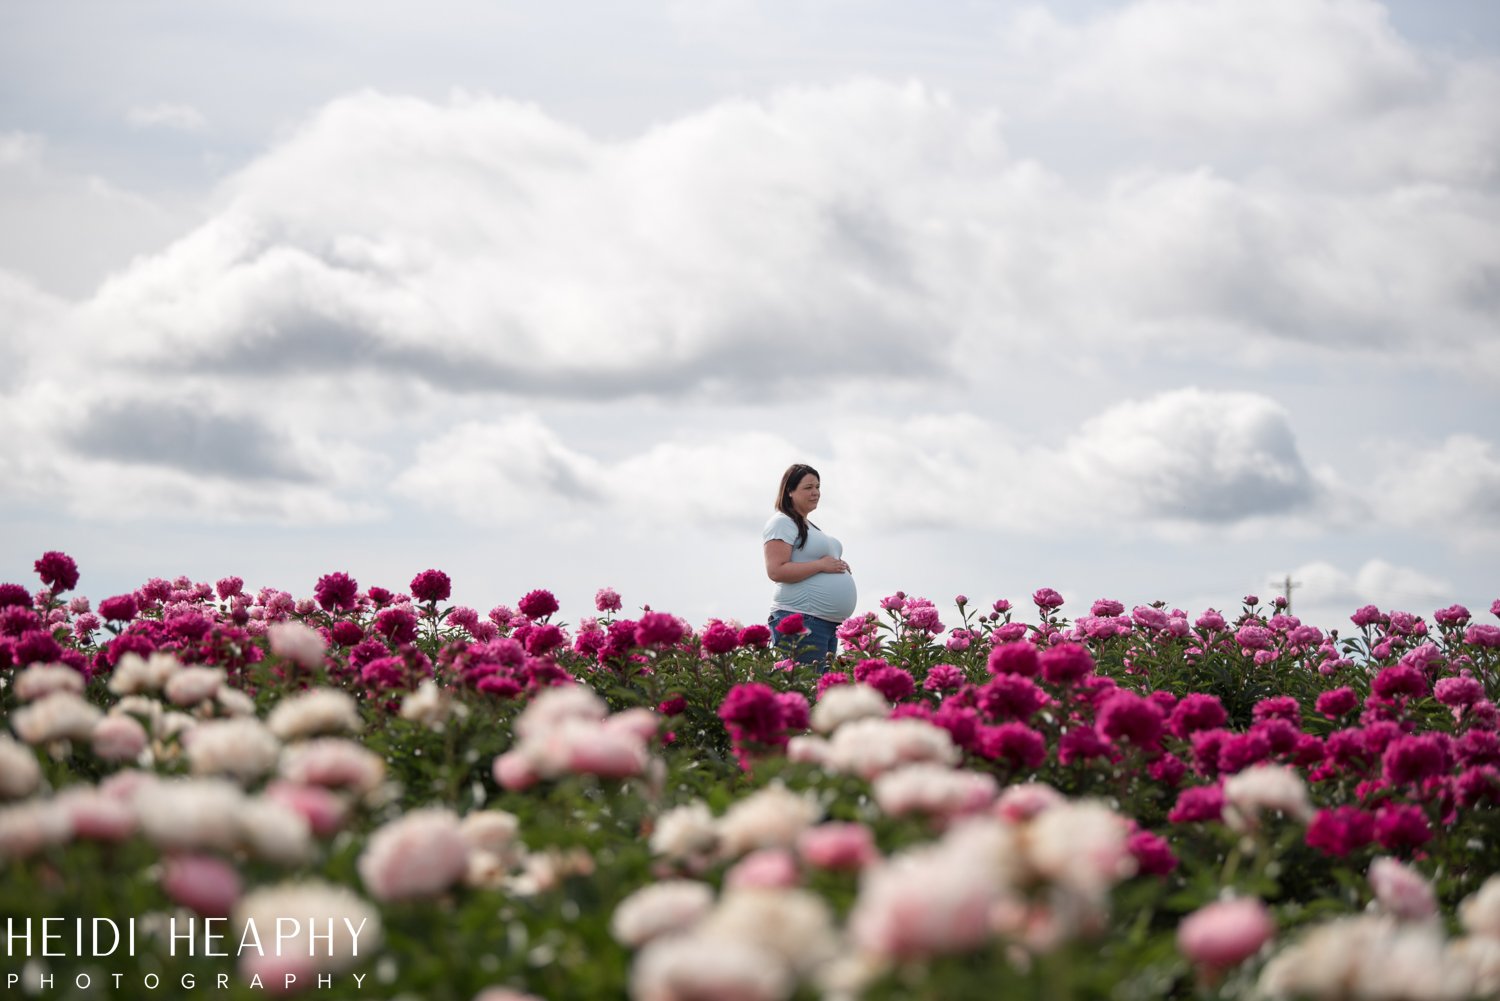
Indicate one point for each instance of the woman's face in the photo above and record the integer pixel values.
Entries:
(805, 495)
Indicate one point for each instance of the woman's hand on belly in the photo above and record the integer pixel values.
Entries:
(832, 564)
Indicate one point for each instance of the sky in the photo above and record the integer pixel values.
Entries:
(1160, 300)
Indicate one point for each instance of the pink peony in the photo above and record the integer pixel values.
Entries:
(1014, 743)
(1014, 658)
(1153, 856)
(792, 625)
(1253, 637)
(1148, 617)
(752, 712)
(1483, 636)
(538, 604)
(431, 586)
(1125, 716)
(1198, 803)
(1011, 697)
(1337, 702)
(1082, 743)
(1478, 785)
(755, 635)
(943, 678)
(892, 682)
(658, 629)
(1278, 707)
(205, 884)
(607, 599)
(1047, 599)
(1195, 712)
(335, 592)
(1401, 826)
(396, 624)
(57, 571)
(1458, 692)
(1414, 759)
(120, 608)
(1399, 680)
(1224, 934)
(719, 638)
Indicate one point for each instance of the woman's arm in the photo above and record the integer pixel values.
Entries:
(781, 569)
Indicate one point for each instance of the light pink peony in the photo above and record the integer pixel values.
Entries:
(699, 968)
(334, 762)
(42, 680)
(1224, 934)
(242, 748)
(552, 706)
(932, 789)
(314, 713)
(119, 738)
(418, 855)
(28, 827)
(585, 748)
(769, 868)
(20, 775)
(205, 884)
(1402, 891)
(515, 772)
(61, 715)
(668, 907)
(298, 643)
(324, 810)
(838, 845)
(316, 907)
(640, 723)
(1019, 803)
(193, 685)
(773, 817)
(98, 817)
(934, 899)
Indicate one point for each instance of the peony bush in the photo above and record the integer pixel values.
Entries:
(404, 797)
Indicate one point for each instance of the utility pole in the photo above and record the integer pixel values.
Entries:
(1286, 585)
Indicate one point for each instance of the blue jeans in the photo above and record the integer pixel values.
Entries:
(819, 643)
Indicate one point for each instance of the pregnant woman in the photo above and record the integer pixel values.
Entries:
(807, 565)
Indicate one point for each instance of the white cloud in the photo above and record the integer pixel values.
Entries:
(1226, 65)
(1453, 489)
(1188, 457)
(1327, 594)
(65, 230)
(518, 469)
(867, 231)
(178, 117)
(1194, 456)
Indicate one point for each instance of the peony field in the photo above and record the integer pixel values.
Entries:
(365, 791)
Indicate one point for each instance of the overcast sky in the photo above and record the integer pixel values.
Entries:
(1153, 300)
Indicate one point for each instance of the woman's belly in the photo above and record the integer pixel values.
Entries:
(830, 596)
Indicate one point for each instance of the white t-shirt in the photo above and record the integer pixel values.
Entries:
(829, 596)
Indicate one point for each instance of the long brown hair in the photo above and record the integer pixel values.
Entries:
(794, 475)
